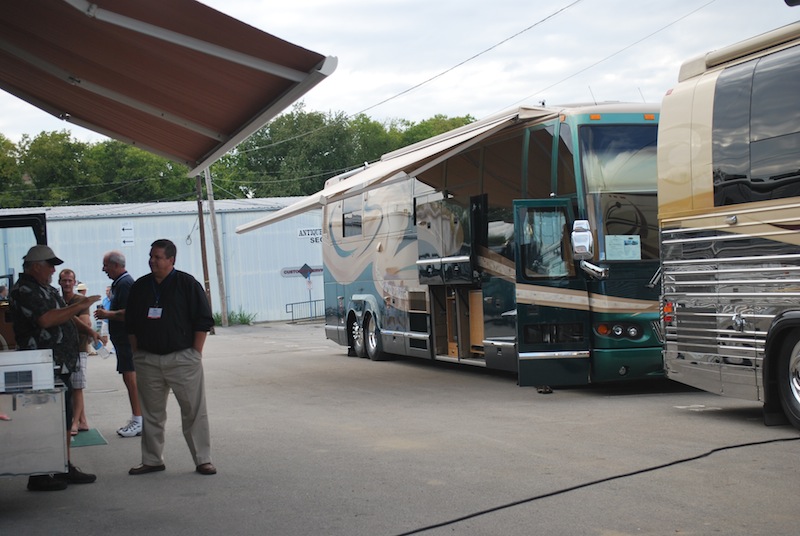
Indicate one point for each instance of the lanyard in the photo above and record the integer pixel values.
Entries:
(158, 287)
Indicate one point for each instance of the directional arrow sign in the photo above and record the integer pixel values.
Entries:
(126, 233)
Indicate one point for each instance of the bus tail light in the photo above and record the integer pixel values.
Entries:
(668, 312)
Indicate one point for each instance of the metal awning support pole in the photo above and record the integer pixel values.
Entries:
(201, 225)
(223, 305)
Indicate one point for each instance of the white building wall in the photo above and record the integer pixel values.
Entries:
(253, 263)
(257, 262)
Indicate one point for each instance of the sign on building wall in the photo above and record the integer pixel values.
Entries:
(314, 236)
(303, 271)
(126, 234)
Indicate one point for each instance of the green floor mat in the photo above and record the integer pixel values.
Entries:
(88, 439)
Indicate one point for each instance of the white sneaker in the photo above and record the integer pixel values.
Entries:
(121, 428)
(132, 429)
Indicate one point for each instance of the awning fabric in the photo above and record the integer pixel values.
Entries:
(175, 77)
(407, 162)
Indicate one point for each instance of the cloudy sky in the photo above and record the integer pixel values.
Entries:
(481, 56)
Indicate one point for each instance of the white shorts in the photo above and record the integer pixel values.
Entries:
(78, 378)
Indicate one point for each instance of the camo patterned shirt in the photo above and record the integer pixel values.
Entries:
(28, 301)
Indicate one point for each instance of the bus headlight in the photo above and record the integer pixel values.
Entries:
(619, 331)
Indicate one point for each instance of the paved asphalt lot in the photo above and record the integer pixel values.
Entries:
(310, 442)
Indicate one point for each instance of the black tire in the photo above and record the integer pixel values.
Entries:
(789, 377)
(372, 339)
(357, 337)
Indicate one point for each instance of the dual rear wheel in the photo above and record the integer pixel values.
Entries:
(366, 338)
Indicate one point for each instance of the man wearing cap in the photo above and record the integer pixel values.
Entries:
(43, 321)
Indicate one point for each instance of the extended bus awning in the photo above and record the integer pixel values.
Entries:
(176, 77)
(407, 162)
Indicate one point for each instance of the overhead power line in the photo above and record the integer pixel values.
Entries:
(479, 54)
(424, 82)
(606, 58)
(620, 51)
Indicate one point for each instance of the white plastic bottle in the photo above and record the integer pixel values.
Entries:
(101, 350)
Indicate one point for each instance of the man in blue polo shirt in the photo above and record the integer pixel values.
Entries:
(114, 267)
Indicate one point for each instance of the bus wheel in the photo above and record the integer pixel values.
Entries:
(372, 338)
(789, 378)
(357, 335)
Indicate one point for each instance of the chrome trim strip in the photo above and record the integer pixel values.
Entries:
(737, 295)
(456, 259)
(392, 333)
(735, 210)
(499, 344)
(765, 269)
(405, 334)
(531, 356)
(417, 336)
(658, 329)
(462, 361)
(736, 236)
(755, 259)
(738, 281)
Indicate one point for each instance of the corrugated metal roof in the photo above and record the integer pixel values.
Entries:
(254, 266)
(124, 210)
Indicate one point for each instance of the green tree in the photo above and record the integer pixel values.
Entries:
(121, 173)
(428, 128)
(372, 139)
(293, 155)
(298, 151)
(13, 190)
(53, 163)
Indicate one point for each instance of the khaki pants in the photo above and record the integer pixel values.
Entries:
(181, 371)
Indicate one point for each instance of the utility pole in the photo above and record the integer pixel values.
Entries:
(217, 250)
(202, 227)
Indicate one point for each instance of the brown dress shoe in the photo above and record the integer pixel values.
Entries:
(206, 469)
(144, 469)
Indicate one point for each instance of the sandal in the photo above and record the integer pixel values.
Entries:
(73, 432)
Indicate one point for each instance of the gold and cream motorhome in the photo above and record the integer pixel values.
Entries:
(729, 213)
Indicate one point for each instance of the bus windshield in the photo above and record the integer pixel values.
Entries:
(619, 169)
(619, 158)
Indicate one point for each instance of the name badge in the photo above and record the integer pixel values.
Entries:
(154, 312)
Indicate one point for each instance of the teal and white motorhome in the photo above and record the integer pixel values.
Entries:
(526, 242)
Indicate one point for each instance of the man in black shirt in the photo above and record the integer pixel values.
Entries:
(168, 318)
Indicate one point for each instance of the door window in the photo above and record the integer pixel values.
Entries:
(544, 236)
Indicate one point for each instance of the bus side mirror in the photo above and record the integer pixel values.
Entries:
(582, 240)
